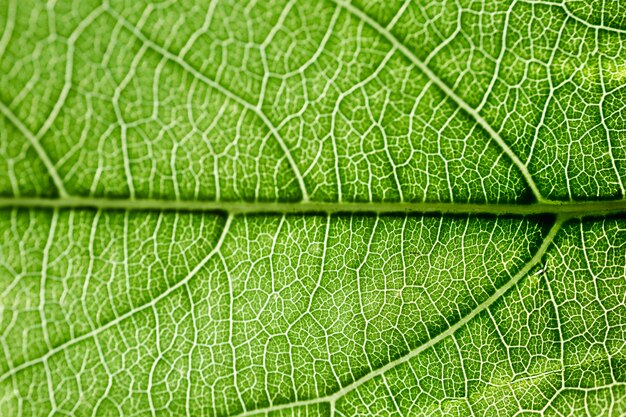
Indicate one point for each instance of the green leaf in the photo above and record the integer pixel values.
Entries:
(312, 208)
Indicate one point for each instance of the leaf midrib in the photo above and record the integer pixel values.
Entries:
(567, 209)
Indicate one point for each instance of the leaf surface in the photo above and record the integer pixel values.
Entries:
(312, 208)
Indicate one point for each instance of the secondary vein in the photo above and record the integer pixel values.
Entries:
(448, 91)
(332, 398)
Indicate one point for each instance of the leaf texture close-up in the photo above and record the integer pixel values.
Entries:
(313, 208)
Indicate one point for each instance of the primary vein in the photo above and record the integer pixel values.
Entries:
(567, 209)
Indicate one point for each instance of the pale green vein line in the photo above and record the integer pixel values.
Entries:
(359, 14)
(130, 313)
(41, 152)
(332, 398)
(9, 25)
(566, 209)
